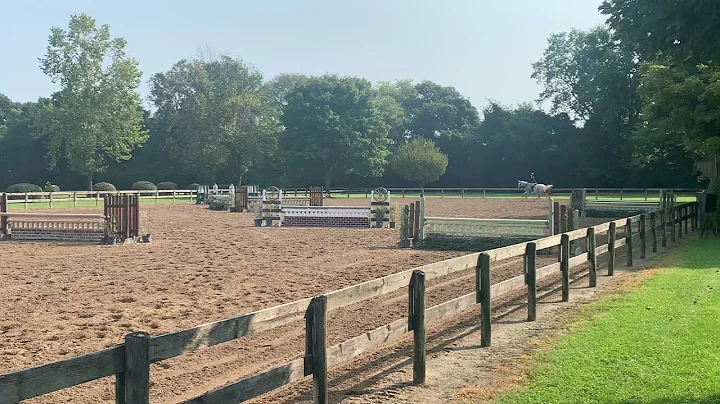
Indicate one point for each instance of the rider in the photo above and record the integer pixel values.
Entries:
(532, 178)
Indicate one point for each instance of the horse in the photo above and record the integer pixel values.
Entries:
(529, 187)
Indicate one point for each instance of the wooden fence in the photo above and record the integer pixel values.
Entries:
(130, 362)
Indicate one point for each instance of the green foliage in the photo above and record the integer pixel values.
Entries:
(23, 188)
(144, 186)
(420, 161)
(96, 116)
(654, 341)
(593, 78)
(104, 186)
(333, 126)
(685, 103)
(218, 115)
(193, 186)
(167, 185)
(50, 187)
(685, 30)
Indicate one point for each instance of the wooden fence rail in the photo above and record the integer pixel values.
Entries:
(130, 362)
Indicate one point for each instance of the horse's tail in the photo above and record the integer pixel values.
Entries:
(548, 189)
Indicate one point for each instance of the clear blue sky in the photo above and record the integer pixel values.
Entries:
(483, 48)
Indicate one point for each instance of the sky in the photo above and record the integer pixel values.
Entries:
(483, 48)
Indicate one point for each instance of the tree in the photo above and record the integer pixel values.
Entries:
(96, 116)
(332, 126)
(439, 113)
(420, 161)
(685, 104)
(685, 30)
(593, 78)
(277, 89)
(215, 114)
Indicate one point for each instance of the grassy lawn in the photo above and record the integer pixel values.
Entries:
(657, 344)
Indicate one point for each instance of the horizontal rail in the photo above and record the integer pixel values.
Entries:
(506, 222)
(53, 215)
(43, 379)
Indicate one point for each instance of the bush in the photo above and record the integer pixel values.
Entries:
(51, 188)
(23, 188)
(104, 186)
(167, 186)
(144, 186)
(194, 186)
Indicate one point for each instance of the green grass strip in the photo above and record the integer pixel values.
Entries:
(657, 344)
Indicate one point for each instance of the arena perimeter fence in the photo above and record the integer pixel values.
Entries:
(130, 362)
(66, 199)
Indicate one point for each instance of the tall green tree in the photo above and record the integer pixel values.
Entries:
(420, 161)
(333, 126)
(97, 114)
(685, 104)
(216, 115)
(685, 30)
(512, 142)
(593, 77)
(439, 112)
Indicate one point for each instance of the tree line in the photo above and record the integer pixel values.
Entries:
(633, 104)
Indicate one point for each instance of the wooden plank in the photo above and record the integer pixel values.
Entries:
(578, 259)
(43, 379)
(362, 343)
(507, 286)
(548, 270)
(387, 284)
(181, 342)
(250, 387)
(503, 253)
(53, 215)
(603, 249)
(602, 228)
(548, 242)
(450, 308)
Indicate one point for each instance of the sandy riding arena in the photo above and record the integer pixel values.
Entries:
(65, 299)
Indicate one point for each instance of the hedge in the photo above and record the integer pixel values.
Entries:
(167, 185)
(144, 186)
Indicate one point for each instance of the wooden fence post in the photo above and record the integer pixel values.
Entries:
(653, 231)
(483, 271)
(531, 279)
(592, 257)
(686, 215)
(319, 349)
(137, 368)
(75, 199)
(629, 241)
(691, 212)
(663, 218)
(565, 266)
(643, 241)
(50, 197)
(672, 224)
(611, 249)
(417, 324)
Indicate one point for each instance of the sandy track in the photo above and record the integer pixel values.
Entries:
(62, 300)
